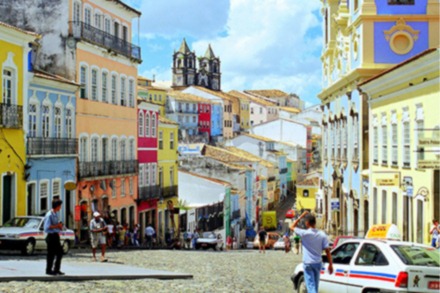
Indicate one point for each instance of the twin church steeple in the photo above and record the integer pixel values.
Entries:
(185, 72)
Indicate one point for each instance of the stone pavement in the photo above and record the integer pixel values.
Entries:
(31, 270)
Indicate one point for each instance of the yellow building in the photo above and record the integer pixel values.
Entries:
(152, 94)
(245, 116)
(14, 48)
(167, 158)
(306, 194)
(405, 135)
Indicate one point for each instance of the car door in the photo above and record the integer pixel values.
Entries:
(40, 239)
(371, 269)
(338, 281)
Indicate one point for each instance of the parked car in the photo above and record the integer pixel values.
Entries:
(26, 234)
(279, 245)
(272, 238)
(210, 240)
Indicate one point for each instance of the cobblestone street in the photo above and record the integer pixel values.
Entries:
(237, 271)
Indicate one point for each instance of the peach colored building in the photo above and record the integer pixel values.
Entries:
(106, 67)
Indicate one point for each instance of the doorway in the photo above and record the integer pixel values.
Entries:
(31, 191)
(7, 201)
(68, 216)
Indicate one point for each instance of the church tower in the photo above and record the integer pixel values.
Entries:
(209, 75)
(184, 66)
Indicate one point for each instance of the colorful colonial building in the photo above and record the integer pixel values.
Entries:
(148, 189)
(361, 39)
(405, 135)
(14, 49)
(51, 144)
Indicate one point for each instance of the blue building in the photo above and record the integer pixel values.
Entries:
(51, 144)
(216, 121)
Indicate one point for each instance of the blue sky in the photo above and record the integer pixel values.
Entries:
(262, 44)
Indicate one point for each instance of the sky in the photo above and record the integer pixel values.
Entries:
(262, 44)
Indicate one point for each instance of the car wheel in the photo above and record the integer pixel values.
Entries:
(66, 247)
(28, 248)
(301, 285)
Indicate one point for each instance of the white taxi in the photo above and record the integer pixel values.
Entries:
(378, 265)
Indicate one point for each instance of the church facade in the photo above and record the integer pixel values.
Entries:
(186, 73)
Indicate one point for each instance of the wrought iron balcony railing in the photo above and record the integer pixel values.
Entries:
(149, 192)
(51, 146)
(168, 191)
(89, 33)
(11, 116)
(107, 168)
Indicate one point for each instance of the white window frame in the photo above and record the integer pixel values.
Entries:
(33, 119)
(9, 96)
(58, 121)
(94, 149)
(131, 186)
(44, 196)
(88, 15)
(83, 148)
(114, 88)
(114, 148)
(406, 139)
(131, 92)
(153, 173)
(104, 85)
(123, 92)
(141, 123)
(94, 83)
(147, 178)
(384, 139)
(76, 12)
(56, 191)
(107, 24)
(141, 175)
(131, 149)
(160, 140)
(46, 119)
(84, 80)
(153, 125)
(123, 187)
(147, 124)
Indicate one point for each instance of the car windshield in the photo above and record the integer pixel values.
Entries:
(209, 235)
(417, 255)
(23, 223)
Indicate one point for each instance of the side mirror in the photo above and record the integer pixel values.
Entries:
(324, 258)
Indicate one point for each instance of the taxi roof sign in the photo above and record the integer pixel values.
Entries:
(384, 231)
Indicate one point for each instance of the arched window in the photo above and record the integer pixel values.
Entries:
(123, 150)
(58, 122)
(69, 122)
(46, 120)
(114, 149)
(88, 16)
(94, 149)
(33, 119)
(141, 123)
(153, 125)
(8, 87)
(83, 149)
(131, 150)
(147, 125)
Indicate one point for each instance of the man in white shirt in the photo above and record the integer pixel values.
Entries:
(97, 229)
(149, 233)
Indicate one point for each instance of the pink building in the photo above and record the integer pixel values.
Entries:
(148, 120)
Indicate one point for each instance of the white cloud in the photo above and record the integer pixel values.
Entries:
(268, 45)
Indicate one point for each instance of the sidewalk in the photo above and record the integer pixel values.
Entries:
(28, 270)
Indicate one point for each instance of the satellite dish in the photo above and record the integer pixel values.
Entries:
(69, 185)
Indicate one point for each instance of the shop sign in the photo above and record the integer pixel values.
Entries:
(428, 164)
(429, 142)
(390, 181)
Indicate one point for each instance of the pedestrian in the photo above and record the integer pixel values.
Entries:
(52, 227)
(186, 239)
(135, 237)
(229, 242)
(194, 239)
(110, 233)
(97, 237)
(280, 225)
(313, 243)
(262, 235)
(434, 232)
(149, 233)
(287, 244)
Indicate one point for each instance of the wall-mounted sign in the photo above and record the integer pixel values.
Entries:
(334, 203)
(429, 142)
(428, 164)
(388, 180)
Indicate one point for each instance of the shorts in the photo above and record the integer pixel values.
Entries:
(95, 241)
(262, 243)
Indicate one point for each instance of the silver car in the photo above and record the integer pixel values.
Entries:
(27, 235)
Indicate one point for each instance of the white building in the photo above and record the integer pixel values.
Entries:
(284, 130)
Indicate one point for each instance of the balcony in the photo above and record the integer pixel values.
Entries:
(51, 146)
(149, 192)
(168, 191)
(110, 168)
(283, 170)
(81, 30)
(236, 215)
(11, 116)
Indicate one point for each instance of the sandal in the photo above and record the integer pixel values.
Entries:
(103, 259)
